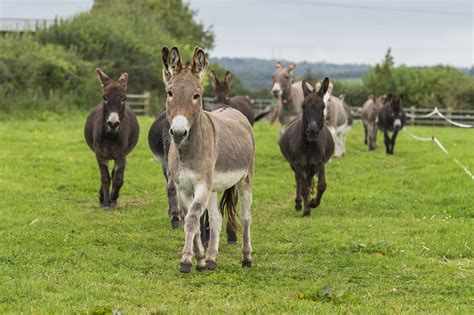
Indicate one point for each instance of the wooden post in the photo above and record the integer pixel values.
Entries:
(146, 103)
(412, 112)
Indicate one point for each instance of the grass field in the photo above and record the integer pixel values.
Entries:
(393, 234)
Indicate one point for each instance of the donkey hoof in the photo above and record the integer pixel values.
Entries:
(306, 213)
(211, 265)
(246, 263)
(313, 203)
(175, 222)
(298, 207)
(185, 268)
(231, 242)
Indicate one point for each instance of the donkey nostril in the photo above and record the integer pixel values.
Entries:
(171, 131)
(113, 125)
(185, 133)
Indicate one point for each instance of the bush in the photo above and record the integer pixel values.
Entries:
(34, 76)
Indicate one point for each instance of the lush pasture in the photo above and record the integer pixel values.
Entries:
(393, 234)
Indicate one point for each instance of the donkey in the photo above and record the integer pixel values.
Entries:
(209, 152)
(392, 118)
(222, 97)
(111, 131)
(159, 142)
(307, 145)
(289, 95)
(338, 119)
(369, 114)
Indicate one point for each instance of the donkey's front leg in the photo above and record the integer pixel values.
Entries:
(298, 192)
(117, 179)
(174, 212)
(321, 187)
(191, 224)
(104, 192)
(215, 220)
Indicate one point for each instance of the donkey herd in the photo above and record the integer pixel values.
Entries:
(209, 148)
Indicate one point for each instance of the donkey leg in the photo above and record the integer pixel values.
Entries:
(215, 220)
(321, 188)
(174, 212)
(244, 189)
(365, 133)
(298, 193)
(332, 130)
(305, 191)
(386, 140)
(104, 196)
(191, 224)
(199, 252)
(394, 137)
(117, 179)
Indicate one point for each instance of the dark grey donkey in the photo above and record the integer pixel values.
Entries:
(392, 119)
(111, 131)
(307, 145)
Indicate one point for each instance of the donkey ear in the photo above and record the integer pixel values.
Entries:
(174, 61)
(104, 79)
(278, 65)
(165, 53)
(306, 89)
(200, 63)
(123, 80)
(214, 78)
(291, 68)
(228, 77)
(324, 87)
(389, 97)
(317, 86)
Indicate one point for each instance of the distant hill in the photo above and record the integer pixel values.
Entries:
(257, 73)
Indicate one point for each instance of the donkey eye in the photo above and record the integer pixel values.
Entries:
(123, 99)
(287, 77)
(170, 94)
(105, 99)
(196, 96)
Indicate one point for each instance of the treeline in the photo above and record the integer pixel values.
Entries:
(439, 86)
(53, 69)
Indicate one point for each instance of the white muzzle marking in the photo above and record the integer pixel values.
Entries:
(397, 123)
(113, 118)
(276, 89)
(179, 127)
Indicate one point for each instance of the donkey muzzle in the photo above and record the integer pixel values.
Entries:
(179, 129)
(397, 124)
(113, 122)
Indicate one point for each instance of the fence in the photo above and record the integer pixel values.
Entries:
(415, 116)
(419, 116)
(140, 103)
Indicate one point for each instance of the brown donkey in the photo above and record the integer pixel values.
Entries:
(222, 97)
(307, 145)
(209, 152)
(111, 131)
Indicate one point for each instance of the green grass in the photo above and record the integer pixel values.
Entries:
(393, 234)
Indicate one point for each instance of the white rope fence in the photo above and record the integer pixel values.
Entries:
(436, 111)
(442, 147)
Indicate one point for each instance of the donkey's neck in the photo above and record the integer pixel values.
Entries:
(193, 144)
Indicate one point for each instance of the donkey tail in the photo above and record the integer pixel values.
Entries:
(228, 205)
(261, 115)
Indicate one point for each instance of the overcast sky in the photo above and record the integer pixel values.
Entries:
(340, 31)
